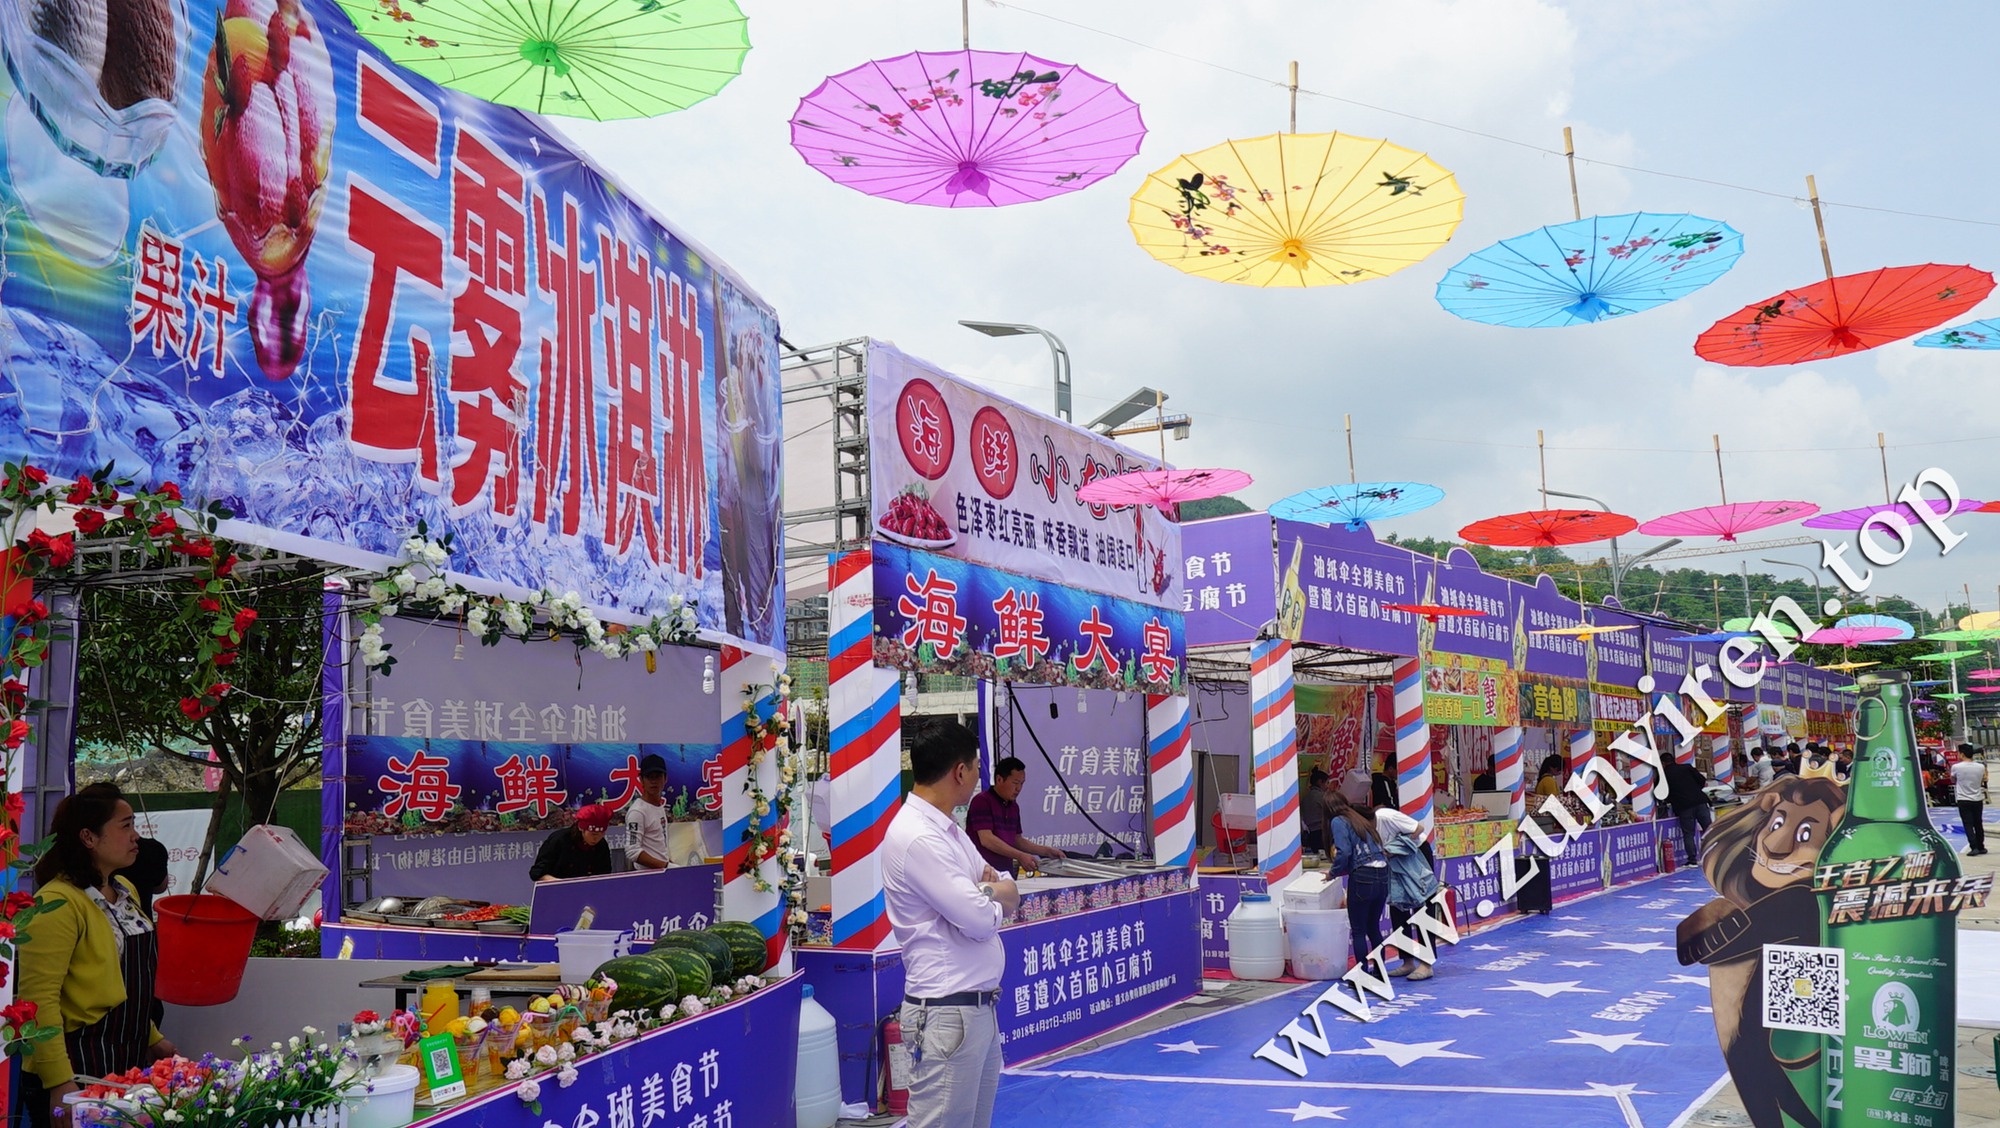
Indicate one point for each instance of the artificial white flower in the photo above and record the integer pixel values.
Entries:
(517, 1069)
(692, 1006)
(530, 1091)
(567, 1076)
(565, 1052)
(405, 582)
(545, 1056)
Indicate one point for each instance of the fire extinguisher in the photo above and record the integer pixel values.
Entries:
(895, 1069)
(1668, 860)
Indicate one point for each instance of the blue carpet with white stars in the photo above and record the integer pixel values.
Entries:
(1579, 1018)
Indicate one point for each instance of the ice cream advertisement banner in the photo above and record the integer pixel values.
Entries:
(961, 473)
(244, 254)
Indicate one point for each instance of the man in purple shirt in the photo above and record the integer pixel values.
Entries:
(946, 906)
(994, 821)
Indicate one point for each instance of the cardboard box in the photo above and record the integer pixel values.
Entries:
(270, 873)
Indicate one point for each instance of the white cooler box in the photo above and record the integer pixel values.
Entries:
(1312, 890)
(270, 873)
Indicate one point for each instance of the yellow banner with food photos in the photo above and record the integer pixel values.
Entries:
(1462, 689)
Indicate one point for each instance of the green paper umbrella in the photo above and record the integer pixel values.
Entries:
(601, 59)
(1951, 696)
(1946, 656)
(1981, 635)
(1847, 689)
(1785, 630)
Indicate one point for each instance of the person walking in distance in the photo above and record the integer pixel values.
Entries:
(1968, 779)
(946, 906)
(1689, 800)
(1356, 849)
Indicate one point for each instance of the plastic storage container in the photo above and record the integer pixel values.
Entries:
(1319, 941)
(1314, 891)
(1256, 939)
(390, 1103)
(204, 946)
(270, 872)
(816, 1097)
(581, 951)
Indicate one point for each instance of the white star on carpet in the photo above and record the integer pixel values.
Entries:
(1652, 930)
(1578, 963)
(1304, 1111)
(1487, 948)
(1568, 918)
(1639, 949)
(1697, 980)
(1549, 990)
(1567, 932)
(1704, 1010)
(1609, 1043)
(1464, 1012)
(1626, 1090)
(1635, 896)
(1188, 1047)
(1403, 1053)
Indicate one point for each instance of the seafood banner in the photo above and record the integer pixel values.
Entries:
(959, 472)
(245, 254)
(945, 616)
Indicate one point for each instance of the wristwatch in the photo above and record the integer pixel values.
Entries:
(986, 889)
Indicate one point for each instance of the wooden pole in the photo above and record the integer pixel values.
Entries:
(1350, 450)
(1294, 84)
(1542, 456)
(1883, 449)
(1819, 221)
(965, 22)
(1724, 485)
(1569, 153)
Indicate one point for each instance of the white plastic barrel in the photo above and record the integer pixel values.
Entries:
(582, 951)
(816, 1097)
(389, 1101)
(1256, 939)
(1319, 942)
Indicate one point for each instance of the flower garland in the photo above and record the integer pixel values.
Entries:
(769, 832)
(419, 581)
(621, 1026)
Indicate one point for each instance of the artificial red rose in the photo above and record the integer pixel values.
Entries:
(366, 1016)
(226, 658)
(163, 526)
(244, 618)
(193, 708)
(29, 610)
(168, 489)
(6, 930)
(215, 692)
(88, 521)
(16, 805)
(14, 692)
(17, 731)
(227, 566)
(203, 548)
(209, 604)
(131, 509)
(61, 550)
(35, 474)
(16, 902)
(18, 1014)
(81, 492)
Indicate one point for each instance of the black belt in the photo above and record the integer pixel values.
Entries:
(961, 999)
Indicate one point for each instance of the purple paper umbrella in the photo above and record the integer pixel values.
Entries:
(1850, 519)
(1726, 521)
(967, 129)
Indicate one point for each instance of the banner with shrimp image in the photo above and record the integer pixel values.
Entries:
(242, 252)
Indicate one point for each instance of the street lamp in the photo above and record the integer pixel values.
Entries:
(1818, 596)
(1061, 354)
(1618, 570)
(1117, 421)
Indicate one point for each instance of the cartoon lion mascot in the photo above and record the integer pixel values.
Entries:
(1760, 858)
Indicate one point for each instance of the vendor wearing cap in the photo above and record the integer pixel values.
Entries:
(576, 851)
(646, 817)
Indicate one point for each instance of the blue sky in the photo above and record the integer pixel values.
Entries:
(1882, 102)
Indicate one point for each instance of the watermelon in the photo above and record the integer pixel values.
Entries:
(721, 958)
(746, 944)
(687, 971)
(643, 982)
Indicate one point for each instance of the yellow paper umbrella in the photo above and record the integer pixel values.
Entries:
(1297, 209)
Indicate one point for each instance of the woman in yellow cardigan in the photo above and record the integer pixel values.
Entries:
(91, 958)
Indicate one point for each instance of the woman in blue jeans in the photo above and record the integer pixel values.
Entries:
(1359, 857)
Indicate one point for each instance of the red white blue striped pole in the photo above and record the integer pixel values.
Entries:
(1725, 769)
(1413, 744)
(1509, 773)
(1274, 756)
(1168, 747)
(864, 717)
(1642, 790)
(743, 672)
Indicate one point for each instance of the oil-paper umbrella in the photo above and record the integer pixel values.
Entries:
(1586, 631)
(1845, 667)
(1961, 696)
(1162, 489)
(1985, 688)
(1851, 519)
(1356, 503)
(1971, 335)
(1590, 270)
(1431, 612)
(1543, 528)
(1983, 675)
(1849, 636)
(1964, 634)
(1980, 620)
(600, 59)
(1843, 314)
(1782, 628)
(1297, 209)
(1901, 628)
(1729, 519)
(957, 129)
(1945, 656)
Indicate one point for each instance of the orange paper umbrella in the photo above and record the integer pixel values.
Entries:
(1542, 528)
(1431, 611)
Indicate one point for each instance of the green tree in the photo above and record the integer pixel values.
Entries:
(266, 732)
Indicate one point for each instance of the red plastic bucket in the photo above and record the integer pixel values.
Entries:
(204, 946)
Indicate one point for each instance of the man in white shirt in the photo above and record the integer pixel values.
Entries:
(1968, 779)
(646, 816)
(1390, 822)
(946, 906)
(1761, 772)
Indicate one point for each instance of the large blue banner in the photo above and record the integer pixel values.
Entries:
(255, 259)
(1074, 977)
(405, 785)
(943, 615)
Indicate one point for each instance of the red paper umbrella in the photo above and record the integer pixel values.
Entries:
(1726, 521)
(1986, 689)
(1430, 611)
(1541, 528)
(1989, 507)
(1163, 488)
(1843, 315)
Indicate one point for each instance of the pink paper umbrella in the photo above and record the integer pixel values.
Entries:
(1850, 519)
(1984, 675)
(1726, 521)
(959, 129)
(1850, 636)
(1162, 488)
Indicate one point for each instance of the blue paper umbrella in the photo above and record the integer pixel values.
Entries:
(1593, 269)
(1971, 335)
(1904, 631)
(1356, 503)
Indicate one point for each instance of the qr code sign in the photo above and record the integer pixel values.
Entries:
(1805, 989)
